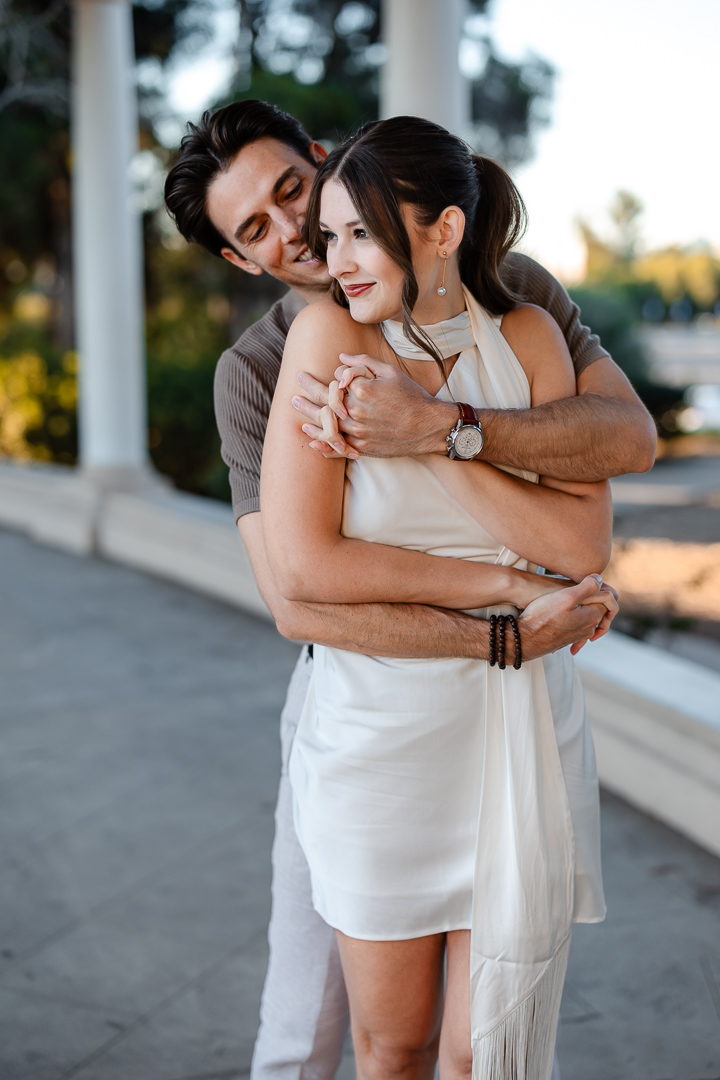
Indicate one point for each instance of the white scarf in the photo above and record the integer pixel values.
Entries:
(522, 908)
(450, 337)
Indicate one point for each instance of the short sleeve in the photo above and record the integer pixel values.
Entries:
(242, 408)
(536, 285)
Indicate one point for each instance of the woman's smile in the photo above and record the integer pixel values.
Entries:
(358, 288)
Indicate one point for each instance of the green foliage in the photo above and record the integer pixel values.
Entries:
(161, 26)
(612, 313)
(670, 274)
(184, 342)
(612, 316)
(329, 116)
(38, 395)
(197, 307)
(320, 60)
(623, 287)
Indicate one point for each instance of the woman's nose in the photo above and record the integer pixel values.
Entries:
(339, 260)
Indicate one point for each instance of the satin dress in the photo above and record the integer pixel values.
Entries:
(438, 795)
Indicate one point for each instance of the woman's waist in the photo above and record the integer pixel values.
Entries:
(400, 503)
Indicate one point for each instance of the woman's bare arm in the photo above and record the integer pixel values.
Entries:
(568, 616)
(301, 499)
(561, 524)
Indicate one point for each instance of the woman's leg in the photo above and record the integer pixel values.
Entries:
(395, 990)
(455, 1042)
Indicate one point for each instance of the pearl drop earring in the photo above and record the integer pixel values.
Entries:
(442, 290)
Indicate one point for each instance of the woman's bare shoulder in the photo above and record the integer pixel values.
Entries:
(325, 323)
(320, 333)
(526, 321)
(539, 344)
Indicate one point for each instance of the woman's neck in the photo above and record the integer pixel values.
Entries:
(432, 308)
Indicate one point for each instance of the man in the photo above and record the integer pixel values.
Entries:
(239, 188)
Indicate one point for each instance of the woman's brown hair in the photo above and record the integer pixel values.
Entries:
(410, 160)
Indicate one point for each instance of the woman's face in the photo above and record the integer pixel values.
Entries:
(370, 279)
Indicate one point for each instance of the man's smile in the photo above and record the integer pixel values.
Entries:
(306, 256)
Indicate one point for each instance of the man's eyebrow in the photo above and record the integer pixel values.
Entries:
(245, 225)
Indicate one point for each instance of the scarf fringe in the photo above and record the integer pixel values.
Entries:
(522, 1047)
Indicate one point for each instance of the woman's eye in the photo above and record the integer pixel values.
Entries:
(361, 234)
(327, 236)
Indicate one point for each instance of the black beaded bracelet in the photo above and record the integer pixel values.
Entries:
(517, 664)
(501, 642)
(492, 644)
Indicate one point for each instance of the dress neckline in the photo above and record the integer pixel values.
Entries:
(450, 337)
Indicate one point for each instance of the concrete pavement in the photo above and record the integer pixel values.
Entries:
(139, 738)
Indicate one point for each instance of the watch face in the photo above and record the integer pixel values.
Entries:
(468, 442)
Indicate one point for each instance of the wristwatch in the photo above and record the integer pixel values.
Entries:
(465, 441)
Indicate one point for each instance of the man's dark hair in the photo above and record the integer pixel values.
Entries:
(209, 148)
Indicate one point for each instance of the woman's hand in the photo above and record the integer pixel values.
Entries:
(327, 438)
(541, 620)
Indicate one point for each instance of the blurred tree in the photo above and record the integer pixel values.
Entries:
(625, 211)
(38, 392)
(667, 275)
(197, 305)
(288, 48)
(613, 315)
(677, 272)
(37, 370)
(624, 287)
(35, 44)
(319, 59)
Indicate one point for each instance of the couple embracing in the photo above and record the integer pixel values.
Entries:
(435, 427)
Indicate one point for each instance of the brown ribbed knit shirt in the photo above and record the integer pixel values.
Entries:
(246, 374)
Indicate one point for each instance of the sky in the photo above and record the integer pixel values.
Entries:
(636, 105)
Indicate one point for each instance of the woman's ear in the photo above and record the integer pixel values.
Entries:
(451, 228)
(241, 263)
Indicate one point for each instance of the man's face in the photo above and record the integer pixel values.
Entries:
(259, 205)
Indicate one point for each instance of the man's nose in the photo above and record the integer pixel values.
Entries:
(288, 225)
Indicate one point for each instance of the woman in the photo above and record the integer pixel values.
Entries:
(445, 807)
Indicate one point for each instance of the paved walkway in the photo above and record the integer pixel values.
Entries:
(139, 738)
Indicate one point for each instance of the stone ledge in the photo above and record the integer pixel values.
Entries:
(185, 538)
(656, 723)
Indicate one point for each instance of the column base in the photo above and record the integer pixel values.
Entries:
(61, 505)
(136, 479)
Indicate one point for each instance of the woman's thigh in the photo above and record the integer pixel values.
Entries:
(455, 1036)
(395, 989)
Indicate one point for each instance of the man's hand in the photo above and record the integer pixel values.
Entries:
(387, 413)
(571, 616)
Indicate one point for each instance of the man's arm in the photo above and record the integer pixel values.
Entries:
(416, 631)
(605, 431)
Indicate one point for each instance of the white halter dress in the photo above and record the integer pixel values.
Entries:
(438, 795)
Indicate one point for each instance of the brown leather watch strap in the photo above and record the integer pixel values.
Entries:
(467, 413)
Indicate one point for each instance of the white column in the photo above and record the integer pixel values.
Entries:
(107, 247)
(421, 75)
